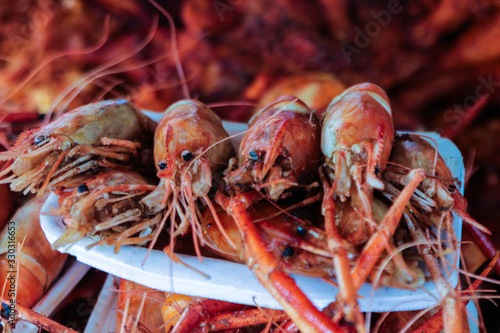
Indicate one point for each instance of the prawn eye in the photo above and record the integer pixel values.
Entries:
(301, 231)
(162, 165)
(83, 188)
(187, 155)
(39, 138)
(5, 312)
(253, 155)
(287, 252)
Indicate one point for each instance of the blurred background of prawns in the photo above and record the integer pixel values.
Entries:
(439, 62)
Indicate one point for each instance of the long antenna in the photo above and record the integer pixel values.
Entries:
(177, 59)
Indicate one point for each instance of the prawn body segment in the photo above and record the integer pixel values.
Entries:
(356, 141)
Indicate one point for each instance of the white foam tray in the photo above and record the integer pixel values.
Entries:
(234, 282)
(103, 317)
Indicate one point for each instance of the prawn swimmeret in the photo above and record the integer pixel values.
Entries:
(190, 147)
(105, 134)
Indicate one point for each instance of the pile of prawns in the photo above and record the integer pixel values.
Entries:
(366, 182)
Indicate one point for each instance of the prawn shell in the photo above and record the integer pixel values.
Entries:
(86, 125)
(117, 119)
(300, 140)
(358, 115)
(149, 314)
(39, 265)
(416, 152)
(353, 228)
(189, 125)
(315, 89)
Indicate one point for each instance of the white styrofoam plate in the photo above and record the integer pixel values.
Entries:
(103, 317)
(234, 282)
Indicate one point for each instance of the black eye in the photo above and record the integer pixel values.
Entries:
(287, 252)
(162, 165)
(187, 156)
(83, 188)
(301, 231)
(39, 138)
(5, 312)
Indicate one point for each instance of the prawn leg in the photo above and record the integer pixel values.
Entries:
(452, 314)
(192, 316)
(268, 271)
(243, 318)
(436, 324)
(336, 245)
(37, 319)
(377, 242)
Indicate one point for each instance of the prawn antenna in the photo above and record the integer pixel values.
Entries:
(177, 59)
(100, 71)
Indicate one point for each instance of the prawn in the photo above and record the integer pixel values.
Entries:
(356, 140)
(433, 201)
(279, 150)
(188, 314)
(190, 146)
(107, 207)
(439, 191)
(104, 134)
(357, 137)
(39, 265)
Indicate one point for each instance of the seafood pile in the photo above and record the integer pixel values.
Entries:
(369, 193)
(320, 186)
